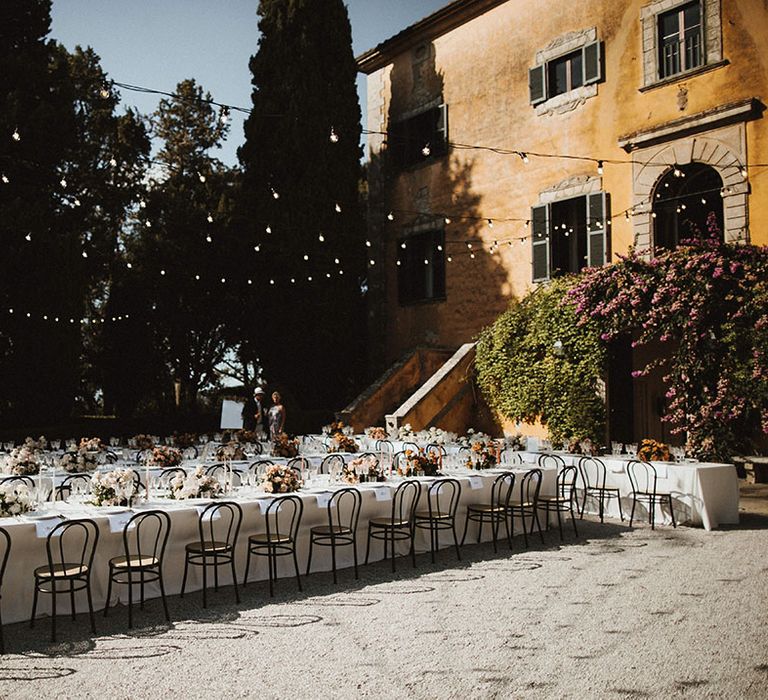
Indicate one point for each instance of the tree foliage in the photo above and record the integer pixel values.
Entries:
(300, 198)
(537, 362)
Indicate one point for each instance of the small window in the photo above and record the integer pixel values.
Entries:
(419, 138)
(421, 267)
(566, 73)
(570, 235)
(680, 40)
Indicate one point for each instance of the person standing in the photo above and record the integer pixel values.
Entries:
(276, 416)
(260, 414)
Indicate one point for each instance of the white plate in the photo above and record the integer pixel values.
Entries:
(38, 515)
(110, 510)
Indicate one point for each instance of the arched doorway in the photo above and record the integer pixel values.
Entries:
(687, 203)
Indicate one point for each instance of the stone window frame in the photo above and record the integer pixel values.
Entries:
(557, 48)
(712, 54)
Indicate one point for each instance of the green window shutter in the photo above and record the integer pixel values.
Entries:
(592, 61)
(537, 85)
(441, 130)
(598, 239)
(540, 242)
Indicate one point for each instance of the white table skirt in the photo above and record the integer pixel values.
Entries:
(28, 550)
(703, 494)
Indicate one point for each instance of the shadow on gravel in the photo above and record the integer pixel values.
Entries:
(225, 619)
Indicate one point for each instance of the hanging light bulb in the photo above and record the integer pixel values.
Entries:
(104, 92)
(257, 247)
(403, 245)
(210, 219)
(527, 223)
(469, 246)
(76, 202)
(224, 118)
(223, 280)
(523, 157)
(338, 208)
(250, 281)
(653, 215)
(341, 272)
(293, 280)
(63, 182)
(367, 244)
(201, 177)
(426, 150)
(439, 248)
(4, 178)
(743, 171)
(426, 262)
(321, 238)
(328, 275)
(271, 281)
(85, 254)
(449, 258)
(472, 255)
(28, 237)
(371, 262)
(398, 263)
(391, 216)
(523, 240)
(209, 239)
(626, 215)
(142, 204)
(148, 224)
(490, 223)
(16, 136)
(268, 229)
(162, 272)
(275, 193)
(306, 257)
(334, 136)
(703, 200)
(129, 265)
(113, 162)
(447, 220)
(683, 207)
(336, 260)
(599, 167)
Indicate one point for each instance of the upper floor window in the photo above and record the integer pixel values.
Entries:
(565, 73)
(421, 267)
(420, 137)
(569, 235)
(680, 40)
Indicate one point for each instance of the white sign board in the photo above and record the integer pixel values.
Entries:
(231, 414)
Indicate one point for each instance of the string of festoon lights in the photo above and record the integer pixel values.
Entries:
(467, 246)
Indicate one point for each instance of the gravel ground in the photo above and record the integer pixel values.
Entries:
(614, 613)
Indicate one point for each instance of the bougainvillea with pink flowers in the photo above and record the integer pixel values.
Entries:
(707, 303)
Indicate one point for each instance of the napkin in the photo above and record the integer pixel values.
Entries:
(383, 493)
(118, 521)
(44, 527)
(208, 516)
(323, 499)
(264, 504)
(476, 482)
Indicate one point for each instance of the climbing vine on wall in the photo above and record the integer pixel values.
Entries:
(538, 361)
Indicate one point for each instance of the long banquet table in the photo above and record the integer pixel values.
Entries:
(28, 545)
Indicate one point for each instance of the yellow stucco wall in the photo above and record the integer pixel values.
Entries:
(482, 67)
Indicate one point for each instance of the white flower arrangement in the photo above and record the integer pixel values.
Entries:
(25, 459)
(14, 500)
(280, 479)
(115, 488)
(93, 444)
(195, 485)
(473, 437)
(230, 452)
(79, 461)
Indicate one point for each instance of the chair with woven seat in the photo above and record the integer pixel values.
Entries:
(343, 514)
(530, 488)
(145, 537)
(593, 476)
(5, 550)
(644, 479)
(495, 512)
(70, 548)
(399, 526)
(219, 527)
(563, 499)
(442, 503)
(283, 518)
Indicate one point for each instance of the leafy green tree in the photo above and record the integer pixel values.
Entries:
(177, 285)
(299, 214)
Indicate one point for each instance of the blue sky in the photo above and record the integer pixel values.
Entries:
(157, 43)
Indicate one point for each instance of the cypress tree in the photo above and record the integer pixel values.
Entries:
(300, 207)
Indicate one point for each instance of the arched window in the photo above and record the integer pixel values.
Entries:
(687, 204)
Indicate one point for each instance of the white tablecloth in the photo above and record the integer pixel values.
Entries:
(28, 550)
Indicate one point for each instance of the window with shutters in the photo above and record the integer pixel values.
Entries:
(419, 138)
(680, 38)
(569, 235)
(421, 267)
(566, 74)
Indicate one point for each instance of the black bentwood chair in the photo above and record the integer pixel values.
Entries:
(72, 484)
(5, 550)
(19, 480)
(341, 530)
(399, 527)
(334, 461)
(530, 488)
(643, 477)
(494, 512)
(563, 500)
(594, 475)
(70, 547)
(283, 518)
(219, 526)
(442, 502)
(145, 537)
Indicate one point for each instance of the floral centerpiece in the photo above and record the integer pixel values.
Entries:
(14, 500)
(376, 433)
(581, 447)
(363, 469)
(334, 427)
(278, 478)
(283, 446)
(342, 443)
(245, 437)
(230, 452)
(483, 455)
(472, 437)
(165, 457)
(115, 488)
(143, 442)
(93, 444)
(516, 442)
(184, 440)
(419, 464)
(79, 461)
(653, 451)
(405, 432)
(25, 459)
(198, 484)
